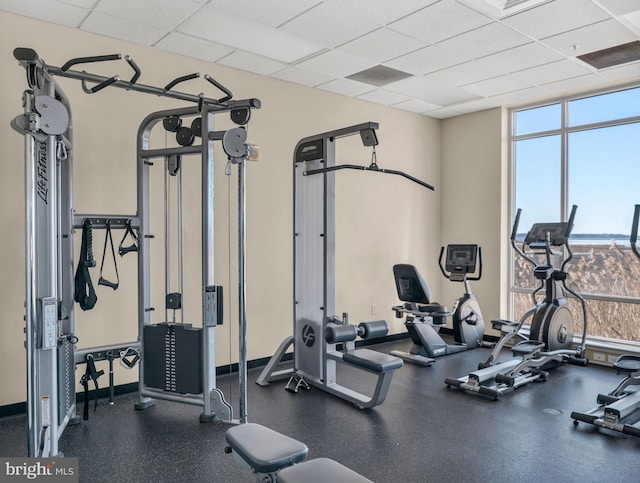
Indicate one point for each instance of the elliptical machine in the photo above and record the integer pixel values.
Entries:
(424, 318)
(551, 333)
(617, 410)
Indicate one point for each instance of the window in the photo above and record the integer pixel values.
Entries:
(584, 151)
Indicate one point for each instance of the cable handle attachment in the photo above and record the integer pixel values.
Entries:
(135, 243)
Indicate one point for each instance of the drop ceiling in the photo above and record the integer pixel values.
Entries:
(459, 56)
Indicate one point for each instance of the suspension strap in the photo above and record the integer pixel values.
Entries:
(102, 280)
(85, 294)
(91, 373)
(122, 250)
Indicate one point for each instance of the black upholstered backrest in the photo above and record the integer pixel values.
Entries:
(410, 285)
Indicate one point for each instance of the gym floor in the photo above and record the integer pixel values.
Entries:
(423, 432)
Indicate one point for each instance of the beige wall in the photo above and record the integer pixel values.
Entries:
(381, 220)
(474, 185)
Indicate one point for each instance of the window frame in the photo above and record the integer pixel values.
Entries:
(564, 132)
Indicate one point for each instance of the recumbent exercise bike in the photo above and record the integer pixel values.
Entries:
(425, 318)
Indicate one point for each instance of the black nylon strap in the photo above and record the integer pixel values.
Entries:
(85, 294)
(102, 280)
(90, 373)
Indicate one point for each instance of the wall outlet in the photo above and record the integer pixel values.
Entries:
(611, 358)
(373, 309)
(599, 356)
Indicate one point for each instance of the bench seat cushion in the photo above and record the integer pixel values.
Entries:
(320, 470)
(263, 449)
(372, 360)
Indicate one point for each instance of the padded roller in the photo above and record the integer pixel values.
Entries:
(340, 333)
(373, 329)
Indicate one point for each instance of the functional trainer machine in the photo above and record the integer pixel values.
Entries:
(551, 334)
(618, 410)
(424, 318)
(51, 343)
(316, 330)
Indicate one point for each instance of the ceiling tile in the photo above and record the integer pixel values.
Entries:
(161, 14)
(382, 11)
(476, 105)
(440, 21)
(472, 71)
(252, 63)
(575, 83)
(56, 12)
(442, 113)
(620, 7)
(336, 64)
(633, 20)
(302, 76)
(555, 71)
(193, 47)
(329, 25)
(523, 57)
(426, 60)
(414, 105)
(431, 91)
(591, 38)
(381, 45)
(497, 85)
(347, 87)
(520, 97)
(272, 13)
(556, 17)
(628, 71)
(120, 28)
(381, 96)
(226, 29)
(88, 4)
(486, 40)
(524, 96)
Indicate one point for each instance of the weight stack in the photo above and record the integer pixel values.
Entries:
(173, 357)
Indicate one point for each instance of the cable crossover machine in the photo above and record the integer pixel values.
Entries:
(176, 361)
(317, 332)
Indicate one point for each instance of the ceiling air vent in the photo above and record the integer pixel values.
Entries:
(503, 8)
(379, 75)
(620, 54)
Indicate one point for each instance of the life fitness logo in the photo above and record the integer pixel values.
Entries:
(308, 335)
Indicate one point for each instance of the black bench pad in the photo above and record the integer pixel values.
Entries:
(372, 360)
(320, 470)
(263, 449)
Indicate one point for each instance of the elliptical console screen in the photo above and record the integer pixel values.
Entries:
(461, 258)
(538, 233)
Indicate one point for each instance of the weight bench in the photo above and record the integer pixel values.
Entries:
(274, 457)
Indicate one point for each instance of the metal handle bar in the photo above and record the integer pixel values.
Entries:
(228, 93)
(177, 80)
(368, 168)
(29, 59)
(87, 60)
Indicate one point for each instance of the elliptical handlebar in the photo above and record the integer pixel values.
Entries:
(569, 228)
(634, 231)
(514, 234)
